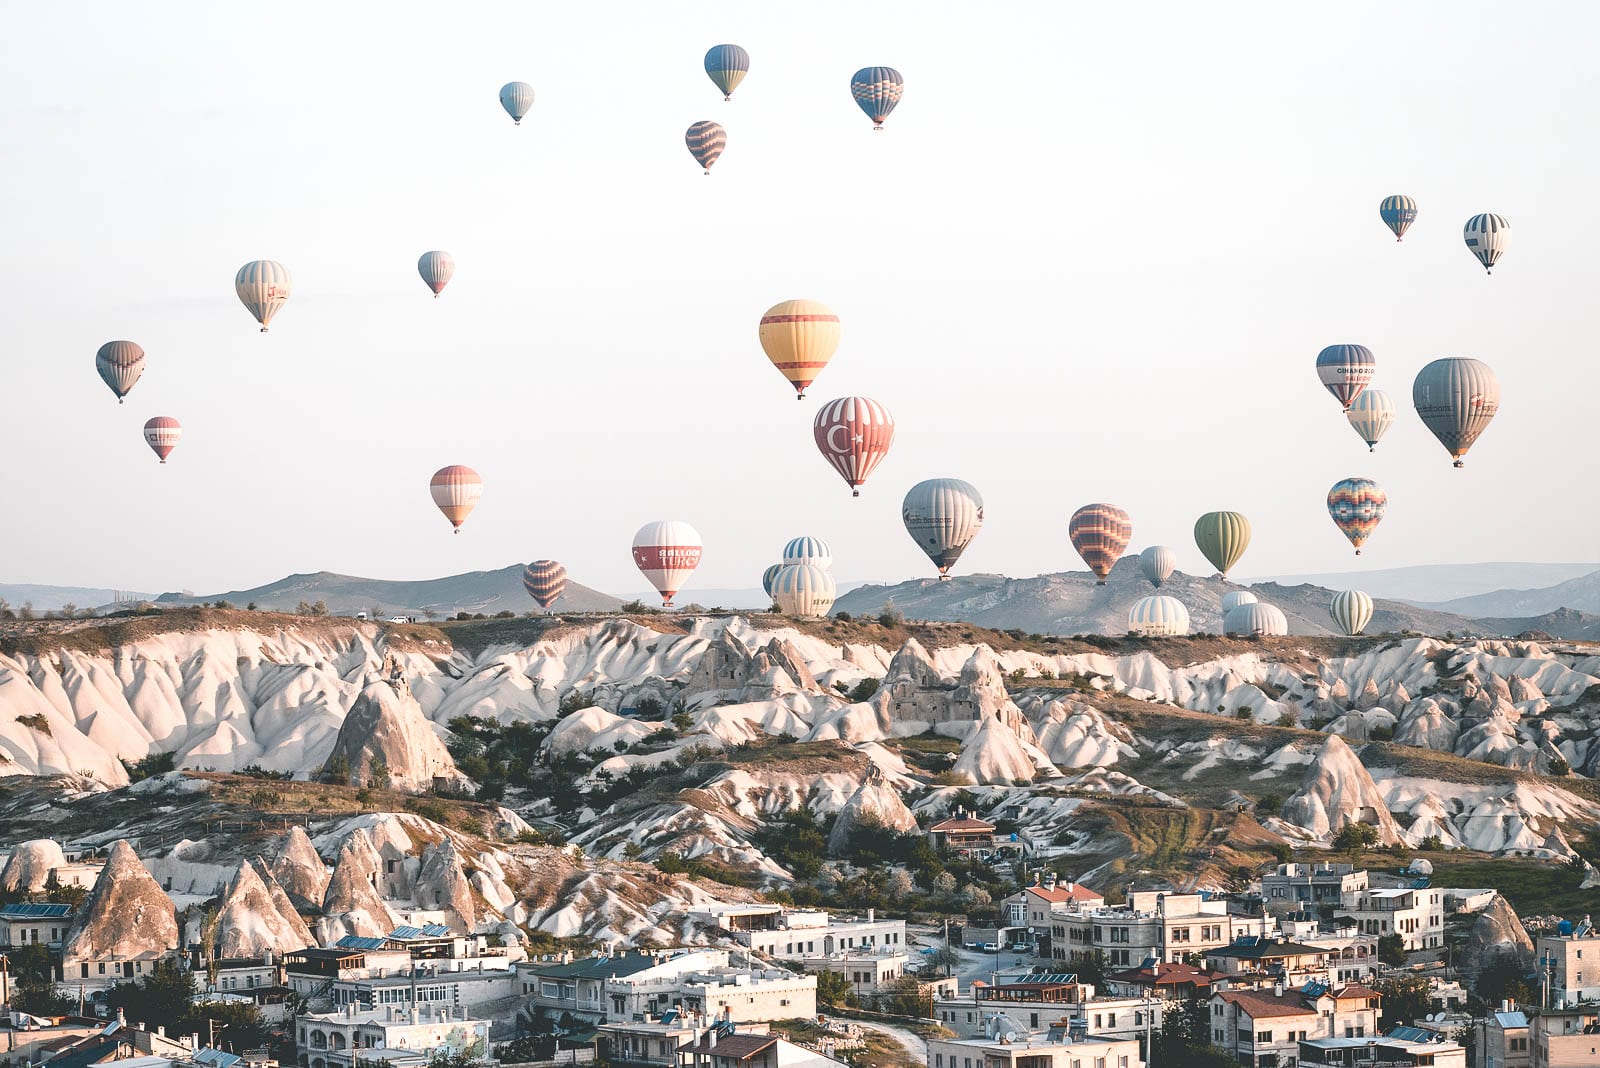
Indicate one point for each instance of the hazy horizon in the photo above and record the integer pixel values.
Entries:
(1092, 257)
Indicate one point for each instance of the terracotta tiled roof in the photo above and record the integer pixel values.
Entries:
(1354, 990)
(1164, 975)
(739, 1047)
(1259, 1005)
(1064, 892)
(963, 823)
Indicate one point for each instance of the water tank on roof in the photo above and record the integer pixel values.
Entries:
(1565, 927)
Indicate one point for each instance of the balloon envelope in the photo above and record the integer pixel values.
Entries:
(799, 337)
(1351, 610)
(806, 550)
(1357, 506)
(1157, 563)
(1456, 398)
(942, 515)
(1487, 237)
(120, 364)
(1100, 532)
(436, 268)
(706, 141)
(544, 580)
(456, 490)
(1254, 618)
(162, 434)
(516, 98)
(803, 590)
(768, 575)
(1235, 598)
(1158, 616)
(877, 90)
(726, 66)
(1398, 213)
(667, 551)
(853, 434)
(1222, 537)
(263, 287)
(1371, 414)
(1345, 370)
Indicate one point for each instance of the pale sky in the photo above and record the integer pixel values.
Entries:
(1092, 257)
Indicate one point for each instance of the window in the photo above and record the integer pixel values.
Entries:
(1263, 1036)
(938, 1060)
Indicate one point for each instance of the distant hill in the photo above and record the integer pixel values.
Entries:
(1438, 585)
(1581, 594)
(1071, 603)
(1562, 623)
(50, 598)
(476, 591)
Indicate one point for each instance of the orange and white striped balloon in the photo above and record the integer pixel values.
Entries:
(800, 337)
(456, 490)
(162, 434)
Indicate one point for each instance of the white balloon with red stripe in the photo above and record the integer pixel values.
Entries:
(162, 434)
(667, 551)
(853, 434)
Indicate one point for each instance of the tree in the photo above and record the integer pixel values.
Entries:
(1392, 949)
(161, 998)
(944, 883)
(1504, 975)
(33, 988)
(945, 957)
(977, 897)
(377, 772)
(898, 884)
(1405, 999)
(891, 616)
(833, 988)
(1560, 767)
(1431, 844)
(1354, 838)
(234, 1024)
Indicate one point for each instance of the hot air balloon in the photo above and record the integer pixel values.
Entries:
(436, 269)
(1099, 532)
(1248, 620)
(667, 551)
(162, 434)
(516, 98)
(1352, 610)
(1158, 616)
(1398, 213)
(1456, 398)
(120, 364)
(1487, 237)
(799, 337)
(706, 141)
(544, 580)
(456, 490)
(942, 515)
(768, 575)
(853, 434)
(1345, 370)
(877, 90)
(1222, 537)
(726, 66)
(1157, 564)
(1234, 598)
(263, 287)
(1371, 414)
(813, 551)
(803, 590)
(1357, 505)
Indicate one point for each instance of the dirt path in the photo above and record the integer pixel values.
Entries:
(909, 1040)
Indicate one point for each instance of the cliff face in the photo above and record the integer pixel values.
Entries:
(352, 904)
(1336, 791)
(251, 919)
(126, 917)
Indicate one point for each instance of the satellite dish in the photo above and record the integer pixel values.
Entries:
(1011, 1036)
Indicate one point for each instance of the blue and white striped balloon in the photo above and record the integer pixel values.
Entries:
(807, 550)
(516, 98)
(768, 576)
(1398, 213)
(1158, 616)
(803, 590)
(1487, 237)
(1371, 414)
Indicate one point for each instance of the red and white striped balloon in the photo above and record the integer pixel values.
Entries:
(456, 490)
(853, 434)
(667, 551)
(162, 434)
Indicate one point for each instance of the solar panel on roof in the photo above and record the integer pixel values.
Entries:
(1247, 940)
(34, 910)
(1410, 1034)
(405, 932)
(359, 942)
(435, 930)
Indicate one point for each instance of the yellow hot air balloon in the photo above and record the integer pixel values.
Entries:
(800, 337)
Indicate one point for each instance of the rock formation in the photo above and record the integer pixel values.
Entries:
(993, 754)
(352, 904)
(126, 917)
(442, 884)
(300, 872)
(30, 864)
(250, 921)
(1337, 790)
(876, 801)
(385, 733)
